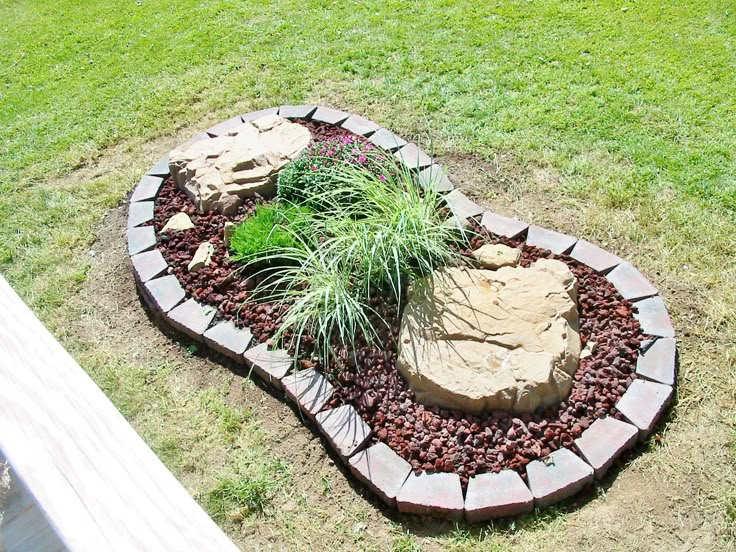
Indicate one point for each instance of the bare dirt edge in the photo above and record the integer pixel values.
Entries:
(660, 499)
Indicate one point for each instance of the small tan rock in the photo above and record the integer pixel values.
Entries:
(177, 223)
(494, 256)
(227, 233)
(202, 257)
(478, 340)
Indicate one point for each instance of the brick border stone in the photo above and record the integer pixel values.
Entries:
(161, 168)
(630, 283)
(413, 158)
(560, 475)
(434, 178)
(360, 125)
(604, 441)
(330, 116)
(148, 265)
(191, 318)
(140, 239)
(379, 467)
(229, 340)
(494, 495)
(643, 403)
(556, 242)
(384, 138)
(147, 188)
(654, 318)
(593, 256)
(503, 226)
(381, 470)
(297, 111)
(344, 428)
(436, 494)
(309, 389)
(462, 206)
(164, 293)
(139, 213)
(269, 365)
(658, 360)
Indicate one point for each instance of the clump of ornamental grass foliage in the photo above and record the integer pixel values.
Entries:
(355, 229)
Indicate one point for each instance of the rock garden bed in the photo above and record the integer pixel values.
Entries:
(514, 382)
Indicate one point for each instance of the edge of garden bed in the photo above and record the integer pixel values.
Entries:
(490, 495)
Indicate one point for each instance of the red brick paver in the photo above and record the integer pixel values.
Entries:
(493, 495)
(561, 475)
(382, 470)
(604, 441)
(630, 283)
(438, 494)
(556, 242)
(269, 365)
(593, 256)
(344, 428)
(643, 404)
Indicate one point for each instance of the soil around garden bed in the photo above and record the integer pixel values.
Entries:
(430, 439)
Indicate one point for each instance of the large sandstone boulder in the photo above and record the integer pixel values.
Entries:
(218, 173)
(478, 340)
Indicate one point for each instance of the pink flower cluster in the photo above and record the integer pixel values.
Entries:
(344, 148)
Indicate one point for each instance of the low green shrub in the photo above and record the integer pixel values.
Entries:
(272, 227)
(299, 180)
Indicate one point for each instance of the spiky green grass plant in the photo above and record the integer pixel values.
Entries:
(377, 231)
(387, 226)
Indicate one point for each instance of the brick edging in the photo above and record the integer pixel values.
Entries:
(549, 480)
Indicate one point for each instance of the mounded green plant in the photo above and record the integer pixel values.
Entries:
(271, 227)
(386, 226)
(326, 306)
(298, 180)
(375, 230)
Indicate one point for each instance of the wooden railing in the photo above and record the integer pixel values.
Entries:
(76, 461)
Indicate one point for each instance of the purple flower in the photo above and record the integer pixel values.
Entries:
(362, 159)
(382, 177)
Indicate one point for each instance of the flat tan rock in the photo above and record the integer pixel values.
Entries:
(178, 223)
(202, 257)
(478, 340)
(219, 173)
(494, 256)
(227, 233)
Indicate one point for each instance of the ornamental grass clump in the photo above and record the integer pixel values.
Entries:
(386, 226)
(372, 230)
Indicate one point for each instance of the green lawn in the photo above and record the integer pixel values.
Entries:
(632, 105)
